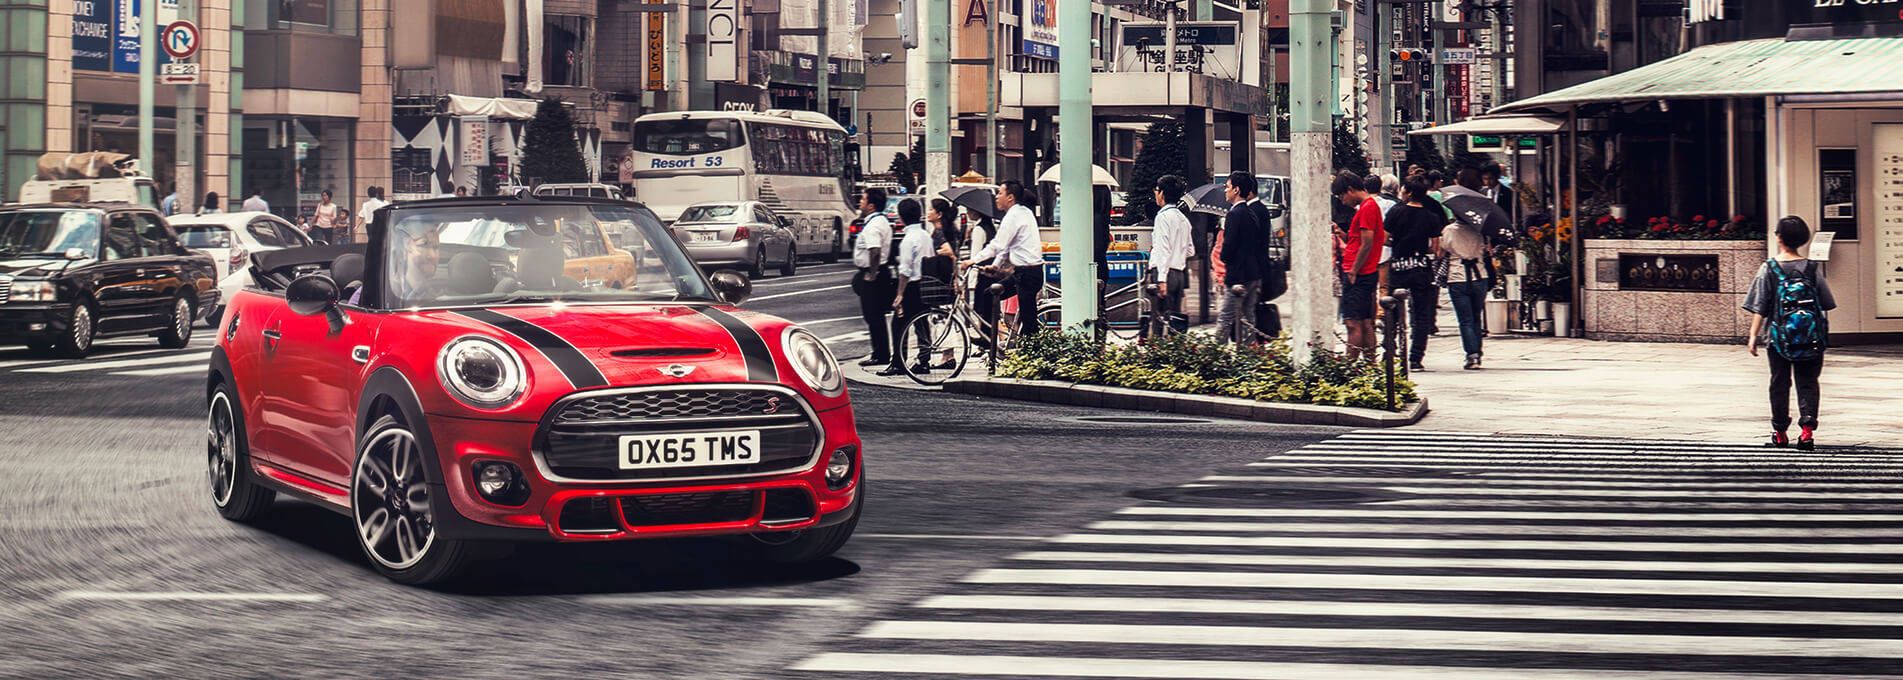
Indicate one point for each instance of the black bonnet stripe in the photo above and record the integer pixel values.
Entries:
(570, 361)
(752, 346)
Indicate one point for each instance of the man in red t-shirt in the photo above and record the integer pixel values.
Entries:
(1360, 262)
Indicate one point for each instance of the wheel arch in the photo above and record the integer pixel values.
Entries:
(389, 392)
(218, 374)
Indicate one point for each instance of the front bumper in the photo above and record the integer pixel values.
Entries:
(569, 509)
(33, 322)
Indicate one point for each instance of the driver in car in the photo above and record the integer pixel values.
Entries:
(415, 281)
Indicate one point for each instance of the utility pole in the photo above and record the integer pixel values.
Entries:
(148, 76)
(1382, 105)
(1437, 15)
(825, 58)
(991, 92)
(1079, 276)
(1311, 46)
(185, 161)
(937, 97)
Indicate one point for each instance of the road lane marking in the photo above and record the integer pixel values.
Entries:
(802, 277)
(1478, 480)
(1491, 563)
(798, 292)
(1170, 605)
(1481, 584)
(1574, 466)
(187, 596)
(1884, 533)
(175, 370)
(692, 601)
(952, 537)
(1674, 506)
(1507, 514)
(99, 353)
(1155, 669)
(1648, 493)
(1371, 543)
(1388, 639)
(854, 336)
(1615, 456)
(128, 363)
(823, 322)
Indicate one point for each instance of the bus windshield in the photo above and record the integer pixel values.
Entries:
(688, 136)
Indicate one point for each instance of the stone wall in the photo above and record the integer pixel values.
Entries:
(1669, 316)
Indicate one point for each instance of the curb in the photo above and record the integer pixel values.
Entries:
(859, 375)
(1099, 396)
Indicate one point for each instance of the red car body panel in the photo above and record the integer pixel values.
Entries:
(301, 394)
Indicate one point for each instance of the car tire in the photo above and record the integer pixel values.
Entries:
(234, 493)
(758, 268)
(809, 545)
(839, 238)
(792, 263)
(179, 333)
(214, 316)
(396, 527)
(81, 327)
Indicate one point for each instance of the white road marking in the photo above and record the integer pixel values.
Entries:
(1479, 480)
(803, 277)
(1648, 493)
(1485, 584)
(1385, 562)
(1372, 543)
(1885, 533)
(1674, 506)
(1388, 639)
(98, 355)
(185, 596)
(692, 601)
(1702, 467)
(1507, 514)
(128, 363)
(1610, 455)
(798, 292)
(176, 370)
(1170, 605)
(854, 336)
(823, 322)
(1154, 669)
(952, 537)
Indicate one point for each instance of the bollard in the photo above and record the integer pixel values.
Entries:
(991, 324)
(1390, 306)
(1404, 303)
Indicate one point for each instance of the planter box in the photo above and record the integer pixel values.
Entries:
(1619, 303)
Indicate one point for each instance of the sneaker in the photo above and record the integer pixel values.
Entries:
(1415, 366)
(1473, 362)
(1779, 440)
(1806, 441)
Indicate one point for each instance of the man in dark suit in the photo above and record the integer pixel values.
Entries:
(1245, 258)
(1267, 318)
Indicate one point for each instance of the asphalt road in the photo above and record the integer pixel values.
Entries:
(113, 563)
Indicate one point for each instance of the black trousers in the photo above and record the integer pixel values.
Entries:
(1806, 373)
(1164, 306)
(910, 307)
(1025, 283)
(1420, 318)
(875, 299)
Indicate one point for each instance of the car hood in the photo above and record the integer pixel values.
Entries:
(636, 345)
(34, 266)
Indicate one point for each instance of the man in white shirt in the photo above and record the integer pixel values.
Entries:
(365, 214)
(1017, 256)
(255, 202)
(1170, 246)
(906, 303)
(870, 253)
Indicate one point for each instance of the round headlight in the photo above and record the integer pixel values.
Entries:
(481, 372)
(813, 362)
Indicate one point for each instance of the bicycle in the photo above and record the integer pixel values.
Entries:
(939, 343)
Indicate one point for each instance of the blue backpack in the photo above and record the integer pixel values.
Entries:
(1799, 331)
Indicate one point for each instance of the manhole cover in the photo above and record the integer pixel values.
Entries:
(1247, 496)
(1141, 420)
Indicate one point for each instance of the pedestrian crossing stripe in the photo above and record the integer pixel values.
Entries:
(190, 357)
(1473, 556)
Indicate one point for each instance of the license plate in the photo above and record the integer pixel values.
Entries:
(702, 236)
(690, 449)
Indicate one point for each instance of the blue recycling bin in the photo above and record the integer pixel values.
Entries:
(1120, 292)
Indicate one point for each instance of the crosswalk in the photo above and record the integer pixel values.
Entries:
(125, 357)
(1383, 554)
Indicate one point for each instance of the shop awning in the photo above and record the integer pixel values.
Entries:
(1498, 125)
(1748, 68)
(492, 107)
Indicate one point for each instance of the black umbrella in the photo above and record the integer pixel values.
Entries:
(978, 199)
(1479, 212)
(1207, 199)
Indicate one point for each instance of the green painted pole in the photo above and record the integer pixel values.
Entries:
(148, 76)
(937, 96)
(1312, 104)
(825, 50)
(1079, 279)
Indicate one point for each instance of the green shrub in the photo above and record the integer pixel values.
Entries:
(1199, 364)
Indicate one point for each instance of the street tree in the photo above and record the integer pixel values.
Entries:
(550, 152)
(1422, 151)
(901, 171)
(1163, 153)
(918, 163)
(1460, 158)
(1350, 155)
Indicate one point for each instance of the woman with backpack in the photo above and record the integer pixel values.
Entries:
(1787, 302)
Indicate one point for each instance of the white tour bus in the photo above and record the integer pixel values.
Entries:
(793, 161)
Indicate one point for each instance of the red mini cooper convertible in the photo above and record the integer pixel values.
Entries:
(449, 387)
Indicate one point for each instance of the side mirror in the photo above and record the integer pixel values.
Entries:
(732, 286)
(76, 254)
(312, 294)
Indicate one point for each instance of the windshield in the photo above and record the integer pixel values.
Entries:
(203, 236)
(478, 255)
(711, 213)
(48, 232)
(690, 136)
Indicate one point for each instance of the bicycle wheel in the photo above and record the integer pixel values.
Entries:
(933, 348)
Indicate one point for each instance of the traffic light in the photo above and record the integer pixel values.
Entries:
(1408, 55)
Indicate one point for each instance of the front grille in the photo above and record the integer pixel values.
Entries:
(581, 438)
(661, 405)
(687, 508)
(6, 288)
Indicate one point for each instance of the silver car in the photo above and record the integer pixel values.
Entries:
(742, 235)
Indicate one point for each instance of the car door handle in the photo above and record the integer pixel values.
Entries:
(271, 337)
(360, 354)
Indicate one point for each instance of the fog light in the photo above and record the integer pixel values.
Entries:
(36, 327)
(839, 467)
(501, 483)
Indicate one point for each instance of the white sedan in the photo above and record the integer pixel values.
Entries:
(230, 239)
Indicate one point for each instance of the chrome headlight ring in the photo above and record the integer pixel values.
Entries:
(813, 361)
(481, 372)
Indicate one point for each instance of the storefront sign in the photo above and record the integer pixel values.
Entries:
(1889, 220)
(1837, 192)
(723, 35)
(125, 37)
(1040, 34)
(1209, 48)
(1837, 11)
(1457, 55)
(657, 49)
(472, 146)
(92, 35)
(737, 97)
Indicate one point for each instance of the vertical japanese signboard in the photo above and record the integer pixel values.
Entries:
(656, 49)
(1889, 221)
(1040, 32)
